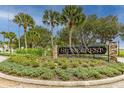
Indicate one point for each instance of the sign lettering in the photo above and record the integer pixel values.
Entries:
(82, 50)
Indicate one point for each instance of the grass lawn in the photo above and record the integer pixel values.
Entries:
(61, 69)
(121, 53)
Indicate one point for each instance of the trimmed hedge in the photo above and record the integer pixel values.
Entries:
(34, 51)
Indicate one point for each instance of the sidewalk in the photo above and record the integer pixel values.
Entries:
(120, 59)
(2, 58)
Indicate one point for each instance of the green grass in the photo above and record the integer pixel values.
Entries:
(121, 53)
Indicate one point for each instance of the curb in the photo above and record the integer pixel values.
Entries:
(63, 83)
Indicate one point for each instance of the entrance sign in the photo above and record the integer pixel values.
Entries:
(111, 50)
(82, 50)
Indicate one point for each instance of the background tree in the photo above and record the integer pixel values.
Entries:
(51, 18)
(108, 28)
(44, 34)
(71, 16)
(87, 31)
(63, 37)
(10, 36)
(3, 33)
(37, 37)
(27, 22)
(17, 19)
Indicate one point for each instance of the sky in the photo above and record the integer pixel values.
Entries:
(8, 13)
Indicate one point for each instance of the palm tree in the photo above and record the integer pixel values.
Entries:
(51, 18)
(26, 21)
(18, 21)
(71, 16)
(10, 36)
(3, 33)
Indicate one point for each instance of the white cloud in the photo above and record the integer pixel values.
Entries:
(5, 14)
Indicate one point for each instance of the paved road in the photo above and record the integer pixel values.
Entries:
(12, 84)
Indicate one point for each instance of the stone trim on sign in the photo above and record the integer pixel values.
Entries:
(112, 51)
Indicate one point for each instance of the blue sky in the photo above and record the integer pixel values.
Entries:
(37, 11)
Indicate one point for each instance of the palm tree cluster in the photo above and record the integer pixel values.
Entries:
(11, 36)
(26, 21)
(77, 28)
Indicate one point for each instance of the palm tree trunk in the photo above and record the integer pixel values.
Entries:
(19, 42)
(3, 43)
(4, 38)
(70, 38)
(10, 45)
(52, 42)
(25, 40)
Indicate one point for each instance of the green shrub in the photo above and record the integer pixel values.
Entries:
(48, 74)
(119, 67)
(108, 71)
(85, 73)
(60, 69)
(20, 70)
(34, 51)
(49, 64)
(95, 62)
(83, 64)
(28, 51)
(64, 64)
(25, 60)
(81, 73)
(63, 74)
(74, 64)
(94, 74)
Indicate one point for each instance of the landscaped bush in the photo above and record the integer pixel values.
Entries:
(34, 51)
(48, 74)
(61, 68)
(119, 67)
(79, 73)
(49, 64)
(108, 71)
(74, 64)
(94, 74)
(25, 60)
(97, 62)
(63, 74)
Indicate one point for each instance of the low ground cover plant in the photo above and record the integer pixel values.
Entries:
(56, 72)
(48, 62)
(25, 60)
